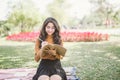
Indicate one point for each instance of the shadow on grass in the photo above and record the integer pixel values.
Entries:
(15, 56)
(93, 60)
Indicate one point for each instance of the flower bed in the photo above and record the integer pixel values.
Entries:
(67, 36)
(24, 36)
(84, 36)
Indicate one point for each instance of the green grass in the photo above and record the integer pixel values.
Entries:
(93, 60)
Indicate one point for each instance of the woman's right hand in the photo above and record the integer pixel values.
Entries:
(44, 43)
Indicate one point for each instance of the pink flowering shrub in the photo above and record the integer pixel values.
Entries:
(24, 36)
(67, 36)
(84, 36)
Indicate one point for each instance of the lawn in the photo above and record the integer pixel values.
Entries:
(93, 60)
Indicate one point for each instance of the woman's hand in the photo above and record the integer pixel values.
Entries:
(44, 43)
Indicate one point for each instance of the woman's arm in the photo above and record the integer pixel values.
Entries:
(61, 43)
(37, 50)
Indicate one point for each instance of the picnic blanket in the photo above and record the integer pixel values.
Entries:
(27, 74)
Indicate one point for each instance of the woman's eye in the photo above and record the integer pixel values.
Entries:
(53, 28)
(48, 27)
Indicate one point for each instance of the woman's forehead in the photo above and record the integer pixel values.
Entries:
(50, 24)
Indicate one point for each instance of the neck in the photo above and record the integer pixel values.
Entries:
(49, 35)
(49, 39)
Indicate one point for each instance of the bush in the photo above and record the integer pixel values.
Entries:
(67, 36)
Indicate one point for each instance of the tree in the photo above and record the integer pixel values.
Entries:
(24, 15)
(4, 28)
(57, 9)
(105, 12)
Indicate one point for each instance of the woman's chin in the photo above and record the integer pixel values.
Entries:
(49, 34)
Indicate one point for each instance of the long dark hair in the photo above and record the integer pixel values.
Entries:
(56, 34)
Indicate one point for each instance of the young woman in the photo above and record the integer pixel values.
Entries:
(49, 68)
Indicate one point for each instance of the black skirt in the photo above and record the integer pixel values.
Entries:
(49, 68)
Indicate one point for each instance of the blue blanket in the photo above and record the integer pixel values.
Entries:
(71, 73)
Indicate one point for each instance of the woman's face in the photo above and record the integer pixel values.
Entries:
(50, 29)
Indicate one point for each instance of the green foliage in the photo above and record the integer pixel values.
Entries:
(102, 12)
(57, 9)
(5, 28)
(25, 16)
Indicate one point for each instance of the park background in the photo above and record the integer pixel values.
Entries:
(90, 30)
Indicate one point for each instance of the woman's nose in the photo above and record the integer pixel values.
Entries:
(50, 29)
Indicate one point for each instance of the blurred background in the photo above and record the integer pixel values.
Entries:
(28, 15)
